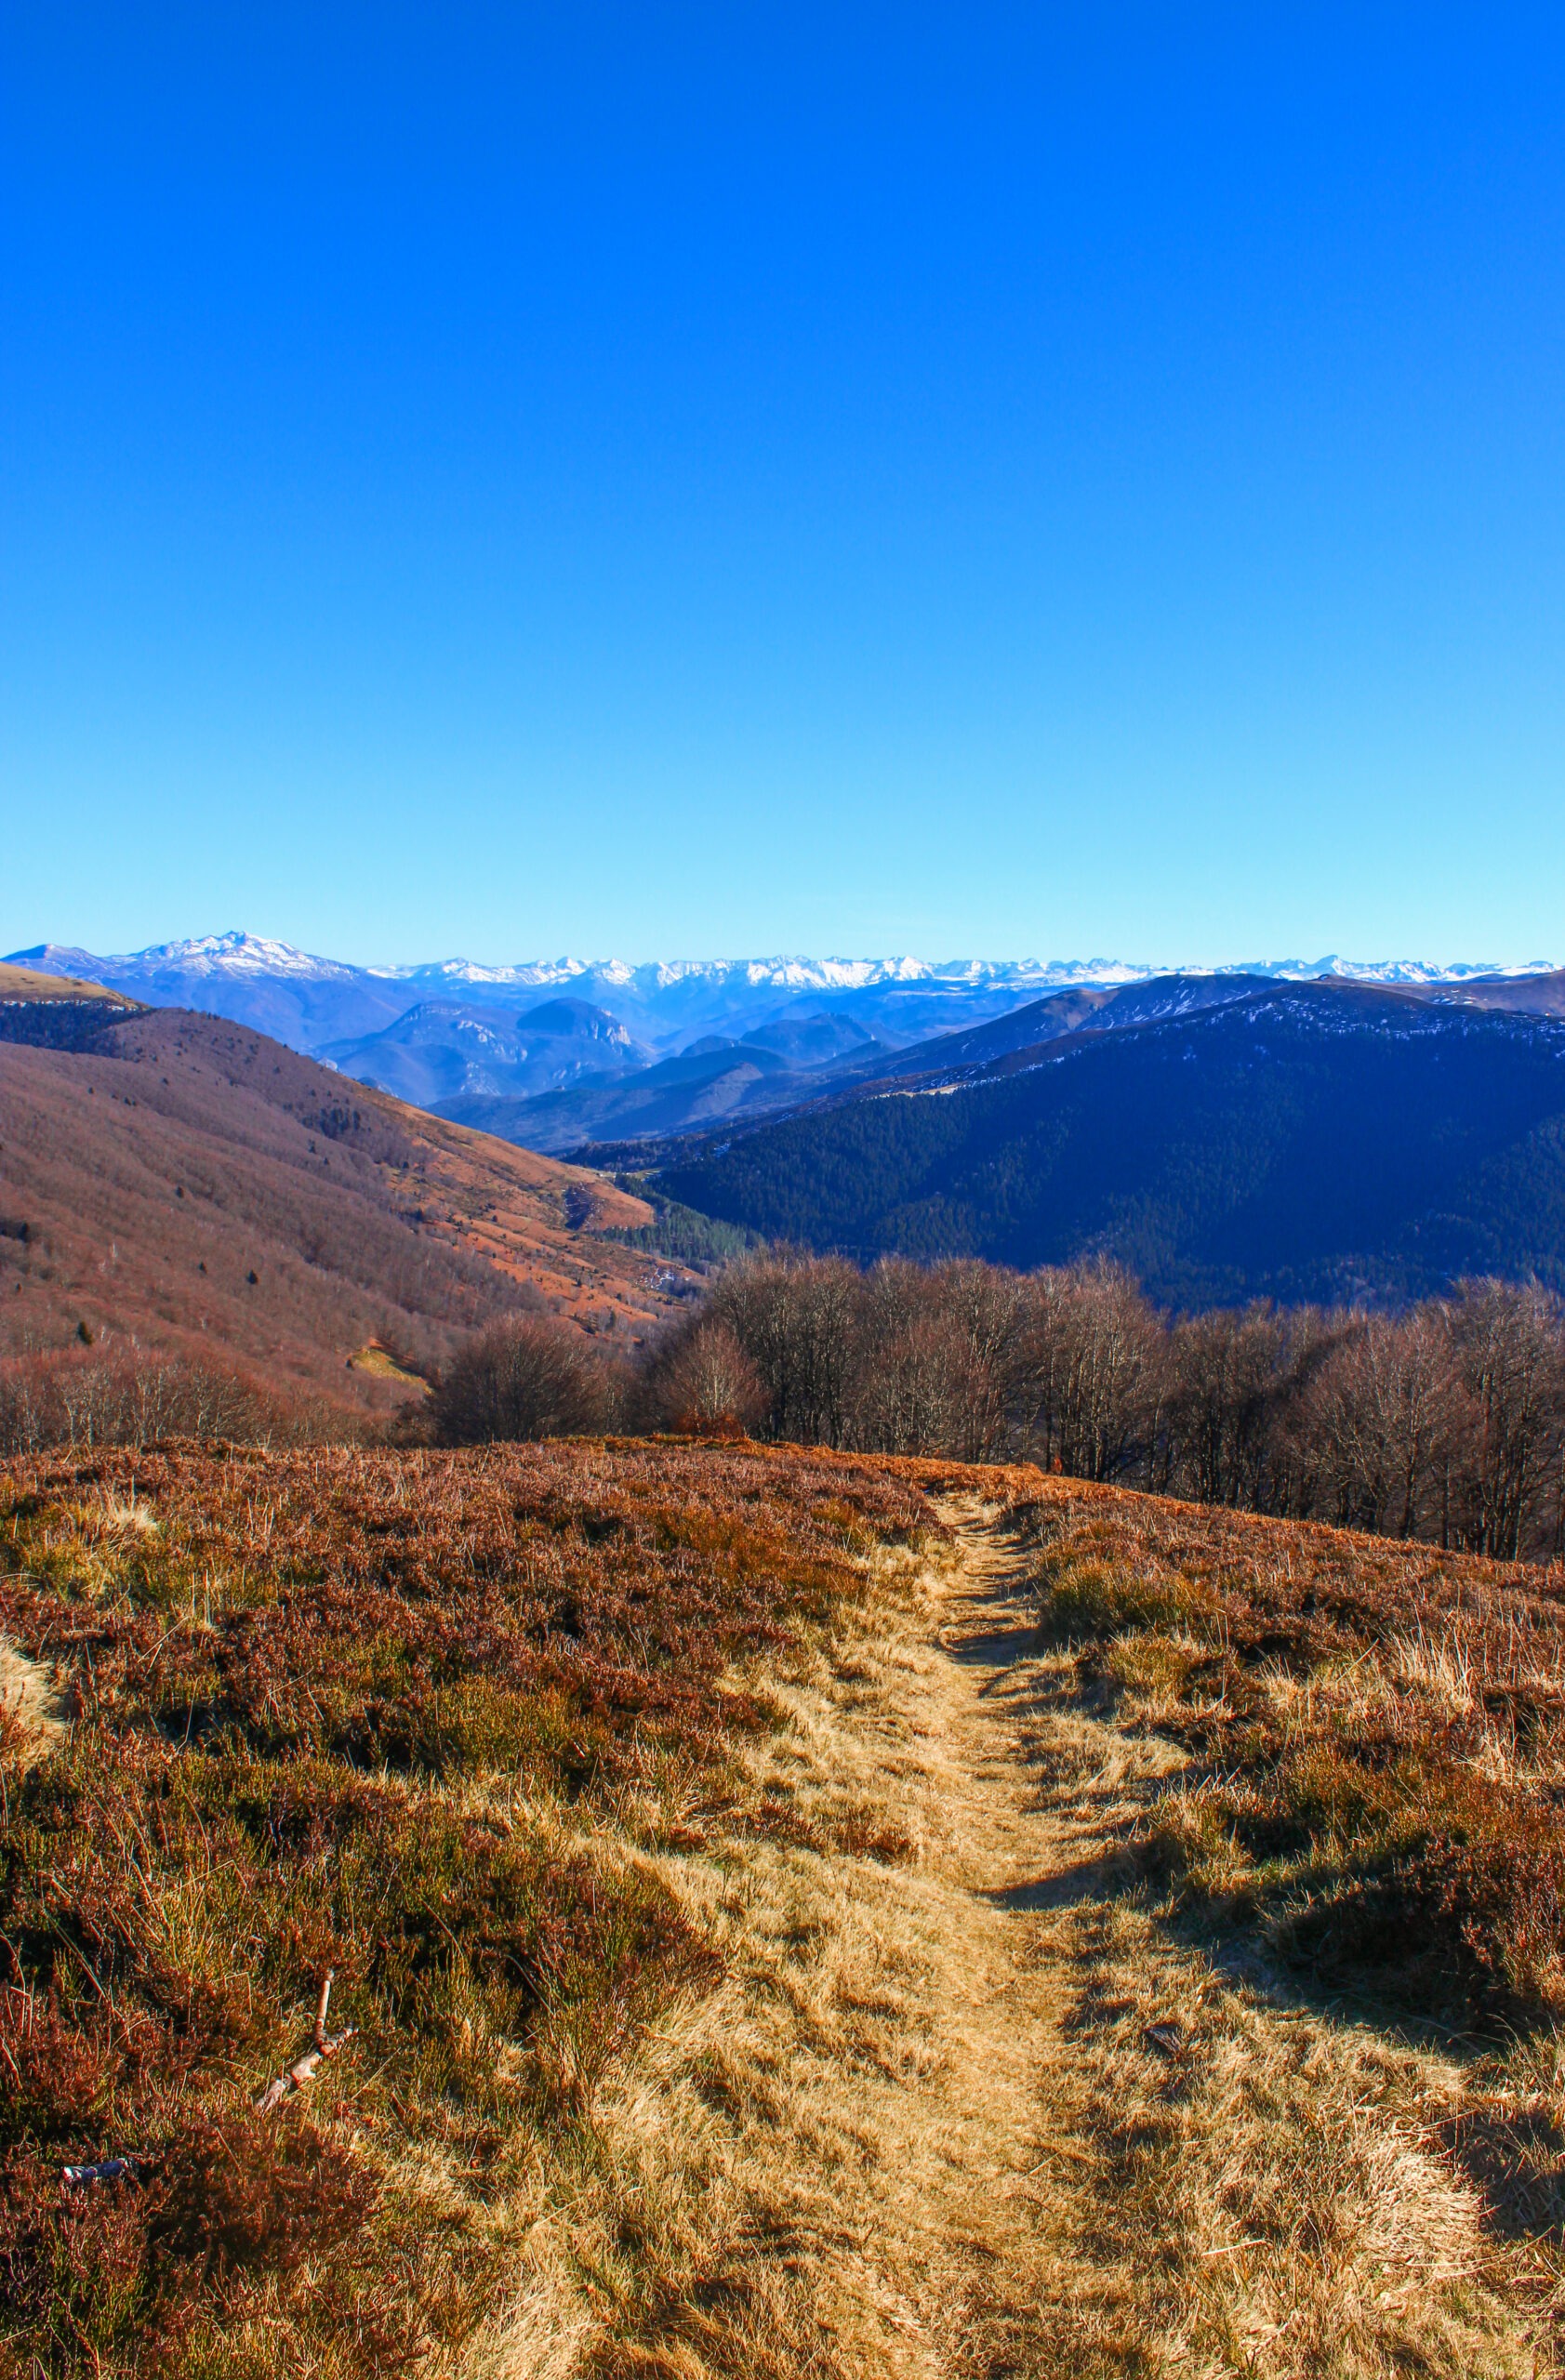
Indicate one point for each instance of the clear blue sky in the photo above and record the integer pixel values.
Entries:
(1049, 480)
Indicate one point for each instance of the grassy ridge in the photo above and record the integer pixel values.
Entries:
(407, 1718)
(1376, 1732)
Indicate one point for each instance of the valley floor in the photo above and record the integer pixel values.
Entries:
(963, 2105)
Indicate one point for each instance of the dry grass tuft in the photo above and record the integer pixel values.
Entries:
(1266, 2192)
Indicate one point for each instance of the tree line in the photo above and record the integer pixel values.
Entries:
(1445, 1421)
(138, 1400)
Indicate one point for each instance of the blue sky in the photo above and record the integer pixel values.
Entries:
(710, 481)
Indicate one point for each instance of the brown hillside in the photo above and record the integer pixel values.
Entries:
(193, 1188)
(27, 984)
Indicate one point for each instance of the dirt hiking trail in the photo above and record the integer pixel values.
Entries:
(964, 2105)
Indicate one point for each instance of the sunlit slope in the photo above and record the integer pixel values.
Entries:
(194, 1187)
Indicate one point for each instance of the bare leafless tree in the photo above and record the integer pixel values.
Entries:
(1509, 1348)
(796, 1318)
(1447, 1421)
(526, 1377)
(703, 1380)
(1086, 1371)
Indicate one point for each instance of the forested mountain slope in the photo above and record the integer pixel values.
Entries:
(733, 1081)
(1307, 1141)
(602, 1129)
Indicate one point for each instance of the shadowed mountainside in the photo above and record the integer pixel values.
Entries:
(554, 1055)
(1309, 1141)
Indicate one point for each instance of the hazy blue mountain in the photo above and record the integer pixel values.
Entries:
(313, 1003)
(816, 1040)
(715, 1078)
(440, 1052)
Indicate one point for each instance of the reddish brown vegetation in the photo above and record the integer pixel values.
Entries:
(525, 1377)
(142, 1185)
(1378, 1732)
(329, 1710)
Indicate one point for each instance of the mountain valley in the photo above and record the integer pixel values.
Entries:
(1225, 1133)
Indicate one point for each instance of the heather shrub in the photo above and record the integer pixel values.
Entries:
(1376, 1734)
(400, 1718)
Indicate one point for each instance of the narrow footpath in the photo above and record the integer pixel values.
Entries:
(965, 2105)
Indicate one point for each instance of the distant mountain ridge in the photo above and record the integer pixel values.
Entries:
(443, 1050)
(1225, 1133)
(313, 1003)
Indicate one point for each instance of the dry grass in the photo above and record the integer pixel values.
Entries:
(1377, 1736)
(425, 1721)
(968, 2108)
(747, 1912)
(818, 2170)
(377, 1361)
(191, 1192)
(1282, 1755)
(1267, 2193)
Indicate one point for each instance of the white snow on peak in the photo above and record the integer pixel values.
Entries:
(229, 953)
(781, 972)
(247, 956)
(1422, 971)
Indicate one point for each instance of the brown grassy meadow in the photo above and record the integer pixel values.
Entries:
(412, 1719)
(741, 1982)
(1374, 1732)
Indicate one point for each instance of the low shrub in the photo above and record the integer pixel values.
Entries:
(1376, 1737)
(1080, 1595)
(525, 1377)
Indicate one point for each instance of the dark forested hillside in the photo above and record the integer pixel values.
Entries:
(1312, 1141)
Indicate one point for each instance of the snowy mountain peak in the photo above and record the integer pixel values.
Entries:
(238, 954)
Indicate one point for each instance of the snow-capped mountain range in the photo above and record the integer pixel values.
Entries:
(311, 1003)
